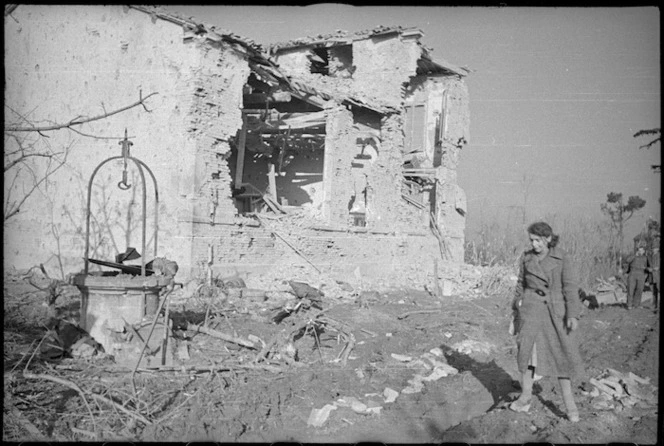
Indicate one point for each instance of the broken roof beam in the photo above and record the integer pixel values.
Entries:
(301, 120)
(299, 132)
(430, 65)
(419, 172)
(310, 99)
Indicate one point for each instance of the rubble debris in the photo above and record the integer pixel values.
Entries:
(607, 292)
(304, 290)
(318, 417)
(390, 395)
(85, 348)
(426, 362)
(358, 406)
(470, 346)
(436, 351)
(220, 335)
(627, 389)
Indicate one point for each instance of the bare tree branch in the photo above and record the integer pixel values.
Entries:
(79, 120)
(13, 208)
(654, 141)
(22, 158)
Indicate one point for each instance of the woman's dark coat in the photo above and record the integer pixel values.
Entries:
(541, 319)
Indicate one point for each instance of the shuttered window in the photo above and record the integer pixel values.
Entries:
(415, 127)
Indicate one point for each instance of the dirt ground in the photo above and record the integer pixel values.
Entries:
(449, 362)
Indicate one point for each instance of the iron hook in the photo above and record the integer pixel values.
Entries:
(123, 184)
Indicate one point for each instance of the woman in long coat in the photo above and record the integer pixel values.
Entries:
(547, 308)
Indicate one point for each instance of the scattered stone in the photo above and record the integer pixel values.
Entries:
(402, 358)
(470, 346)
(256, 340)
(418, 364)
(355, 405)
(318, 417)
(374, 410)
(415, 386)
(437, 351)
(83, 349)
(390, 395)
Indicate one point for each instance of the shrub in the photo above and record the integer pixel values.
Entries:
(585, 240)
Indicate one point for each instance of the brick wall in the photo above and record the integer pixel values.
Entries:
(248, 249)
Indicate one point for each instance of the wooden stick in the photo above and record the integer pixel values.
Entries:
(439, 292)
(81, 392)
(220, 335)
(370, 333)
(35, 434)
(410, 313)
(349, 347)
(211, 368)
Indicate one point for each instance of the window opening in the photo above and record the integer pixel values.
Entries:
(415, 128)
(319, 61)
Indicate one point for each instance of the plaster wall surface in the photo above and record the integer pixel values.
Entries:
(339, 152)
(66, 61)
(215, 117)
(383, 66)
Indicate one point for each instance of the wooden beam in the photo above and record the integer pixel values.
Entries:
(272, 181)
(239, 166)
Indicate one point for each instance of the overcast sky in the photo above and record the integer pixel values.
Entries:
(556, 95)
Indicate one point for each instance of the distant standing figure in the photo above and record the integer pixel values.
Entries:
(637, 266)
(654, 276)
(547, 308)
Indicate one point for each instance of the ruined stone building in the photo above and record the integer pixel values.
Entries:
(337, 151)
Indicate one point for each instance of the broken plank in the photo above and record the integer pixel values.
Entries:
(239, 167)
(220, 335)
(276, 207)
(410, 313)
(272, 182)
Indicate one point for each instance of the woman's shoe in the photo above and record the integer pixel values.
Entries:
(520, 405)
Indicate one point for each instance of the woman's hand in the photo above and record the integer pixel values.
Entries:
(572, 324)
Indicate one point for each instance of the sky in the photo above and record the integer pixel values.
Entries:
(556, 95)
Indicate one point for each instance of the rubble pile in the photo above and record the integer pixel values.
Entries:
(613, 390)
(607, 292)
(429, 367)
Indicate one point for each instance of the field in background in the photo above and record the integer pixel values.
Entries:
(585, 240)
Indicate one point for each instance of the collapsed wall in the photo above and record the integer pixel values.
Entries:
(187, 136)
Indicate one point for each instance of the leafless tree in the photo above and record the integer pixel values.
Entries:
(30, 159)
(657, 135)
(619, 212)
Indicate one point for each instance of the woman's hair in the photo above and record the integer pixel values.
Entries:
(542, 229)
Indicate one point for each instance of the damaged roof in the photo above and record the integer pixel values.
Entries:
(259, 61)
(340, 37)
(199, 28)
